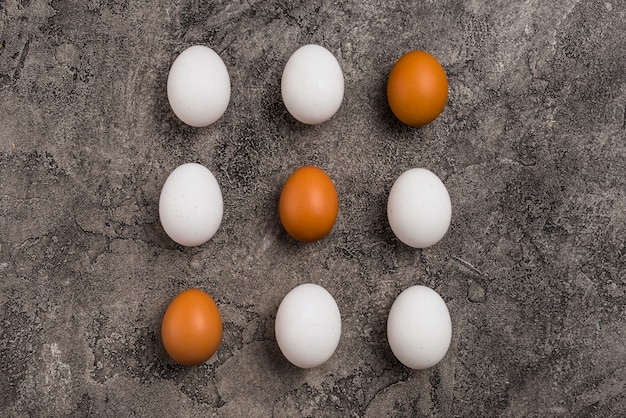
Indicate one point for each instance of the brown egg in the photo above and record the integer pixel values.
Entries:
(417, 88)
(308, 204)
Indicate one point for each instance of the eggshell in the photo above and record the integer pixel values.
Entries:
(191, 329)
(198, 86)
(308, 204)
(312, 84)
(417, 88)
(191, 205)
(419, 209)
(419, 328)
(308, 326)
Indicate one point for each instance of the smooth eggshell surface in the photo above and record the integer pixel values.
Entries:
(308, 325)
(308, 204)
(312, 84)
(198, 86)
(191, 329)
(419, 208)
(191, 205)
(417, 88)
(419, 329)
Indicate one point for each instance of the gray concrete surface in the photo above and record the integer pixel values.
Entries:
(531, 147)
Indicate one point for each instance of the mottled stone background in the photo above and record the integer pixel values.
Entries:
(532, 148)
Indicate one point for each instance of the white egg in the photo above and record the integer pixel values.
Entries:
(312, 84)
(419, 328)
(191, 205)
(198, 86)
(419, 208)
(308, 326)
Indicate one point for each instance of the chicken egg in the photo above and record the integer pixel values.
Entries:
(191, 205)
(419, 328)
(308, 204)
(308, 326)
(417, 88)
(419, 208)
(198, 86)
(191, 329)
(312, 84)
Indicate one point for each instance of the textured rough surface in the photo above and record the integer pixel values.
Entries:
(532, 148)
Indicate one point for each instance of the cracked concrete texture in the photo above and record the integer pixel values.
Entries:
(531, 145)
